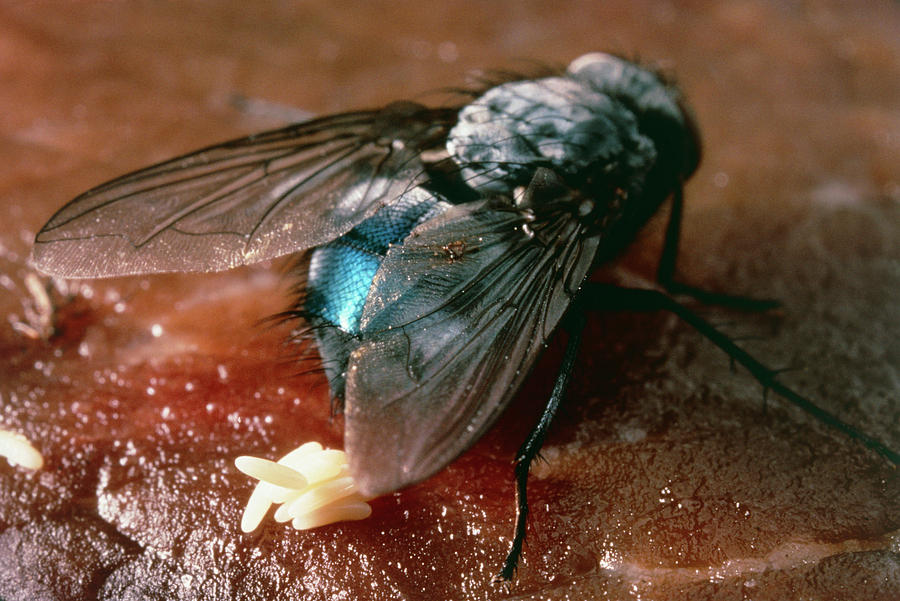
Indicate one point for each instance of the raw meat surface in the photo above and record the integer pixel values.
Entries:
(667, 475)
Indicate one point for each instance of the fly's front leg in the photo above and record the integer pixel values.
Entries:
(665, 273)
(611, 297)
(532, 445)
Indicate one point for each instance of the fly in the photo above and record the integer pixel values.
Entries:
(446, 245)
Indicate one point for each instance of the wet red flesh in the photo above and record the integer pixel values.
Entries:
(666, 477)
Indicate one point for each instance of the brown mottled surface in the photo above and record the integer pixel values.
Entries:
(666, 477)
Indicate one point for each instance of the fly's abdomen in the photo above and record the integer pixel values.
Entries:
(341, 273)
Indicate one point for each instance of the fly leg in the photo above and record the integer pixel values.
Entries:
(612, 297)
(599, 296)
(665, 273)
(532, 445)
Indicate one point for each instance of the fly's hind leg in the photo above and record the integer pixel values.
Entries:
(597, 296)
(532, 445)
(665, 273)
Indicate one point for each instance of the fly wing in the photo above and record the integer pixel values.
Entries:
(246, 200)
(456, 317)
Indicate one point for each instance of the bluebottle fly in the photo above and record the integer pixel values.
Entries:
(446, 246)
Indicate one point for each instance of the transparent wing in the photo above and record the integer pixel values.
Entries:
(457, 316)
(244, 201)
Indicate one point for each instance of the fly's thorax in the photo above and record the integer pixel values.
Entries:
(642, 89)
(556, 122)
(658, 105)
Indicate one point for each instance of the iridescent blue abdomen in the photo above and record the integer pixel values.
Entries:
(341, 273)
